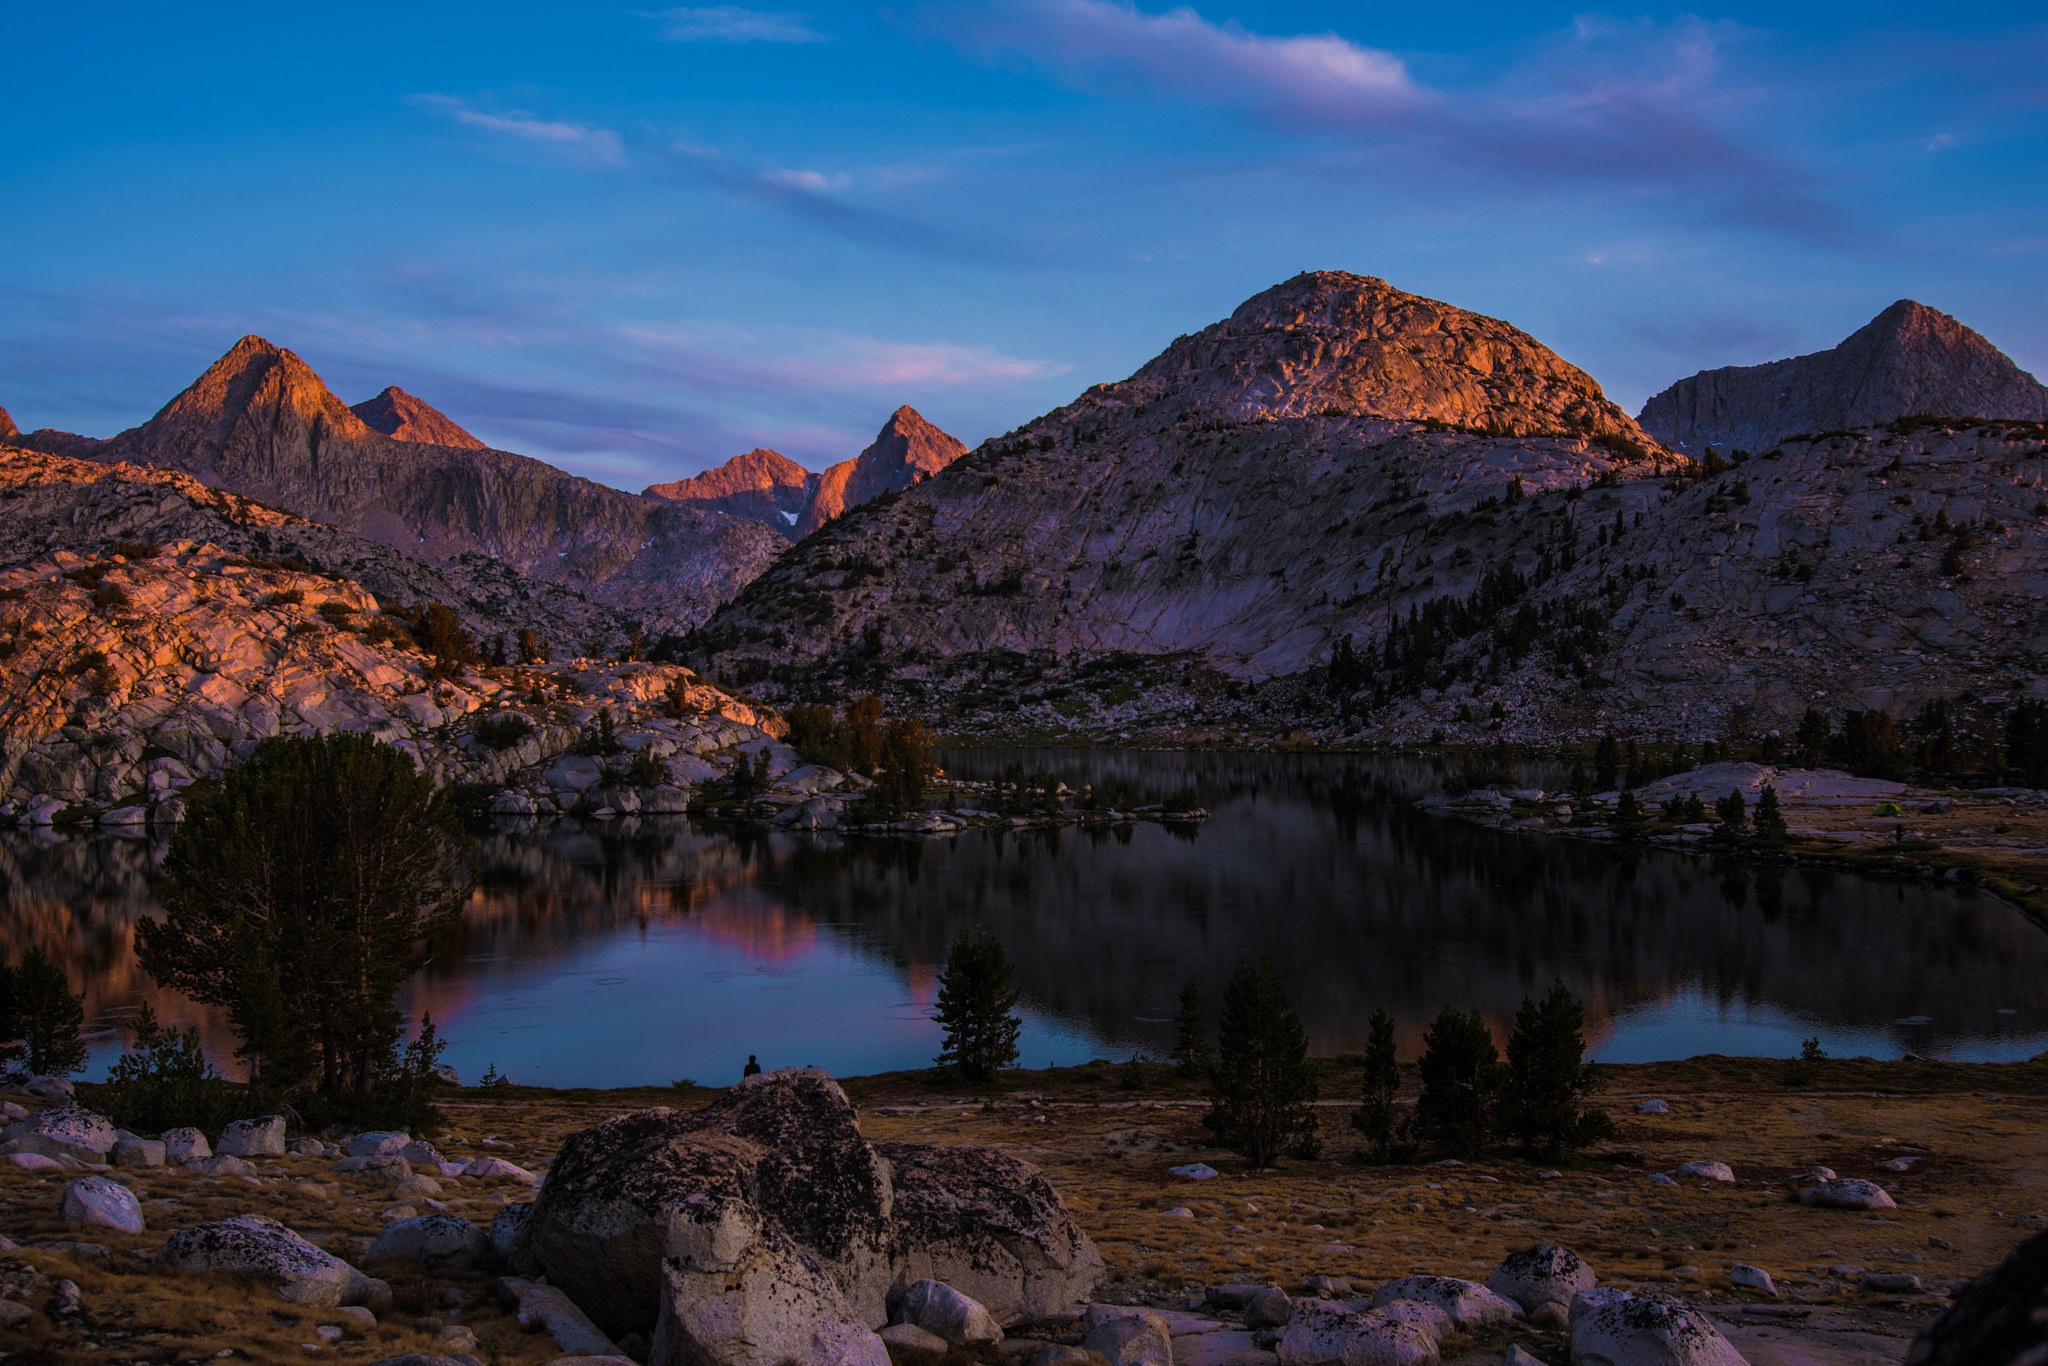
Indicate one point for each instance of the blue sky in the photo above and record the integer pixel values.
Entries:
(636, 241)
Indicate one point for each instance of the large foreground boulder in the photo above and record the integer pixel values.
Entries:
(734, 1234)
(1542, 1275)
(1999, 1319)
(67, 1130)
(1619, 1328)
(261, 1249)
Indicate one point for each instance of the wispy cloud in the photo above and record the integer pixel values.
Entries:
(731, 24)
(576, 141)
(1640, 107)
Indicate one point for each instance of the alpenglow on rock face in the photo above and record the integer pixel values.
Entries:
(762, 484)
(1909, 359)
(402, 417)
(907, 449)
(733, 1235)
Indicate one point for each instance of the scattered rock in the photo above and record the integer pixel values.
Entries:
(1654, 1107)
(1468, 1304)
(1428, 1317)
(546, 1307)
(1325, 1287)
(421, 1154)
(433, 1240)
(416, 1188)
(1126, 1336)
(1270, 1308)
(99, 1200)
(910, 1343)
(68, 1129)
(1891, 1283)
(223, 1165)
(1711, 1171)
(1195, 1171)
(1847, 1193)
(307, 1147)
(258, 1248)
(260, 1137)
(1543, 1275)
(498, 1167)
(1746, 1277)
(377, 1143)
(1618, 1328)
(185, 1145)
(941, 1310)
(49, 1088)
(137, 1152)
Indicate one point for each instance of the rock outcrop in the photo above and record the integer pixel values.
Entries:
(402, 417)
(1909, 359)
(762, 484)
(907, 449)
(123, 681)
(257, 1248)
(736, 1233)
(1998, 1319)
(7, 427)
(261, 423)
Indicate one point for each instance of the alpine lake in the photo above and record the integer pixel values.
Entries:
(643, 951)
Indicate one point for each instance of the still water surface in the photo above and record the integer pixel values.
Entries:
(643, 952)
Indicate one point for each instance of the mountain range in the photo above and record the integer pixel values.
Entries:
(1338, 470)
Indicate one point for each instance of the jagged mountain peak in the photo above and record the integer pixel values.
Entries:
(402, 417)
(762, 484)
(1908, 359)
(907, 449)
(255, 385)
(7, 427)
(1331, 341)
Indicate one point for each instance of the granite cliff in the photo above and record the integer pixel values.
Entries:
(762, 484)
(1909, 359)
(7, 427)
(906, 450)
(260, 422)
(402, 417)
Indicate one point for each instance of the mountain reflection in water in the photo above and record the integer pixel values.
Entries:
(640, 952)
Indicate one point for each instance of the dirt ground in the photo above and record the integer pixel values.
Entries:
(1107, 1138)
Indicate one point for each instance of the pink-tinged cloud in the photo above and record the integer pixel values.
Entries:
(1644, 108)
(575, 141)
(1311, 79)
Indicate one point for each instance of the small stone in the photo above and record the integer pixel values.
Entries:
(1327, 1287)
(1746, 1277)
(1180, 1212)
(1847, 1194)
(1891, 1283)
(1270, 1308)
(1711, 1171)
(259, 1137)
(910, 1343)
(185, 1145)
(456, 1337)
(102, 1202)
(1195, 1171)
(357, 1319)
(1660, 1179)
(1654, 1107)
(944, 1312)
(137, 1152)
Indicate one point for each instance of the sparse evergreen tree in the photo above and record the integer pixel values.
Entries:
(1629, 818)
(48, 1015)
(1262, 1090)
(976, 1008)
(1770, 817)
(1460, 1078)
(301, 893)
(1546, 1077)
(1191, 1030)
(1606, 763)
(1732, 812)
(1813, 735)
(1374, 1116)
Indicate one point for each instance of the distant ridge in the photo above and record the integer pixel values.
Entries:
(402, 417)
(762, 484)
(907, 449)
(1908, 359)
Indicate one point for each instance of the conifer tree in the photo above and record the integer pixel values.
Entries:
(1732, 812)
(1460, 1078)
(977, 999)
(1374, 1116)
(1262, 1090)
(301, 893)
(47, 1016)
(1546, 1076)
(1191, 1030)
(1770, 817)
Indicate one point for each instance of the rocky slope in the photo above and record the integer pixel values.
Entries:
(1909, 359)
(762, 484)
(907, 449)
(261, 423)
(54, 502)
(402, 417)
(124, 680)
(1228, 499)
(1142, 562)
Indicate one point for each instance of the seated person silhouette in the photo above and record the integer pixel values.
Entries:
(752, 1068)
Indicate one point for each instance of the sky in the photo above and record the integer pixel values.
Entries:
(637, 241)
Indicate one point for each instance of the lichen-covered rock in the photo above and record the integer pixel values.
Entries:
(262, 1249)
(433, 1240)
(1323, 1333)
(940, 1309)
(185, 1145)
(1545, 1274)
(98, 1200)
(260, 1137)
(1468, 1304)
(721, 1231)
(990, 1226)
(1316, 1334)
(1617, 1328)
(1847, 1193)
(69, 1129)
